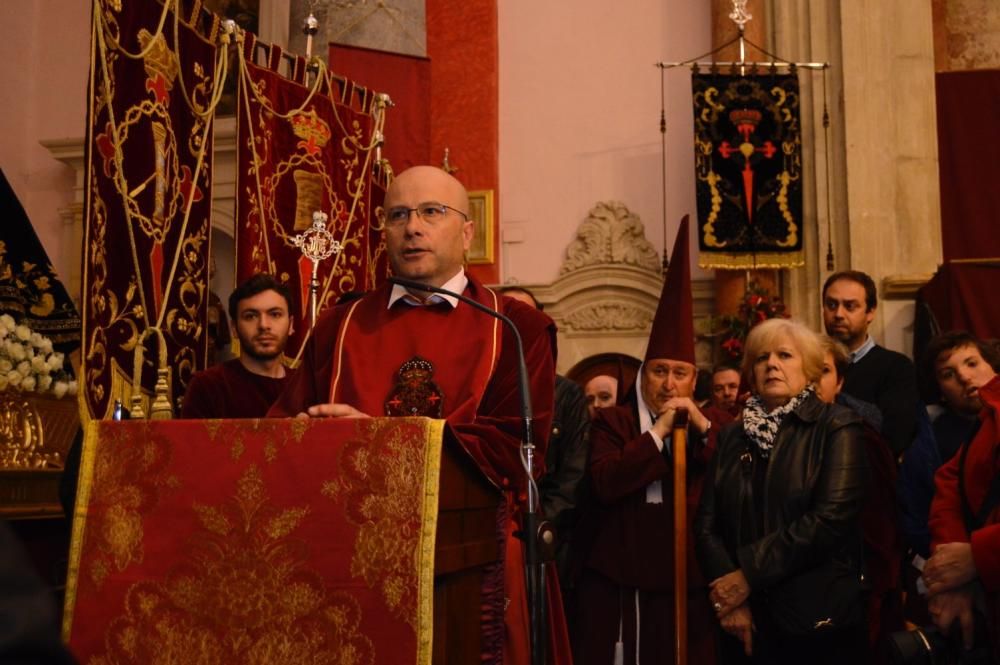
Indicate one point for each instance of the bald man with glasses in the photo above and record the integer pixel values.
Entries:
(364, 356)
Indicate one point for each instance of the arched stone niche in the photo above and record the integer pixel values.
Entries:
(608, 287)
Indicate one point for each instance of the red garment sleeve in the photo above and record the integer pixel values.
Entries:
(986, 554)
(198, 399)
(620, 464)
(493, 438)
(946, 522)
(303, 389)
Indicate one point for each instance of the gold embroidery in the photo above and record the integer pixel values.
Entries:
(244, 594)
(368, 490)
(127, 480)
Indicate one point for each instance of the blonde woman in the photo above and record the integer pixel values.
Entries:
(777, 529)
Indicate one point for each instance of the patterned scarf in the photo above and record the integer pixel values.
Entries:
(762, 426)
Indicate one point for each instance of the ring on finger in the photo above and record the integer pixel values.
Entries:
(717, 606)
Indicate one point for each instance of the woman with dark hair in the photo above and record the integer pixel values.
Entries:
(778, 526)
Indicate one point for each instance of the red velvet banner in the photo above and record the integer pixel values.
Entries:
(968, 106)
(146, 217)
(300, 150)
(255, 541)
(407, 80)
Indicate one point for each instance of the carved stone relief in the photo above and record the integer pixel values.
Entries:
(608, 288)
(608, 317)
(610, 234)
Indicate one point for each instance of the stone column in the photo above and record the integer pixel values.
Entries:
(883, 179)
(890, 126)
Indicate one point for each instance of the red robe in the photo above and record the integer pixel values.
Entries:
(631, 544)
(354, 355)
(230, 390)
(946, 520)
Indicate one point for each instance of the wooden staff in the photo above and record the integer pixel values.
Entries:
(679, 450)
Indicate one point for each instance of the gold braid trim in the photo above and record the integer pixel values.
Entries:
(86, 484)
(433, 437)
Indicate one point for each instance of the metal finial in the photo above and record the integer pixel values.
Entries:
(310, 26)
(317, 244)
(740, 15)
(446, 165)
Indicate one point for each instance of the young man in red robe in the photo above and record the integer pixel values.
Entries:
(396, 352)
(247, 386)
(625, 593)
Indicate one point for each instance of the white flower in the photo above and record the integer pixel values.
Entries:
(72, 387)
(55, 361)
(60, 388)
(27, 359)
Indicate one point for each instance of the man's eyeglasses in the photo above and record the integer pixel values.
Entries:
(429, 212)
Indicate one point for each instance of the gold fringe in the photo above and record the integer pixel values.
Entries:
(743, 261)
(433, 442)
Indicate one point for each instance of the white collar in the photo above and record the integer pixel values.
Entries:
(646, 417)
(862, 350)
(456, 284)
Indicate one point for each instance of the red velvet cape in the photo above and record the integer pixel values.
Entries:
(354, 355)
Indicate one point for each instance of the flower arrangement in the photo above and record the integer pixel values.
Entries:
(28, 363)
(757, 306)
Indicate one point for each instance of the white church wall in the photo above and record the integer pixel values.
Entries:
(44, 76)
(579, 121)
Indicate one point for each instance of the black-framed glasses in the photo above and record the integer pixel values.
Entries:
(430, 212)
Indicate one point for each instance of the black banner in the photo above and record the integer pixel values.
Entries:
(748, 167)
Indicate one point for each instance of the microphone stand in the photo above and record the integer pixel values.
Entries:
(535, 583)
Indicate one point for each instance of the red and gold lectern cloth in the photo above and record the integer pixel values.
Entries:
(255, 541)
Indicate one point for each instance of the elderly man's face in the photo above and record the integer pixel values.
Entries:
(725, 388)
(431, 252)
(663, 379)
(600, 391)
(960, 374)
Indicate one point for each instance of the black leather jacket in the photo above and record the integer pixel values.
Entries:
(814, 488)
